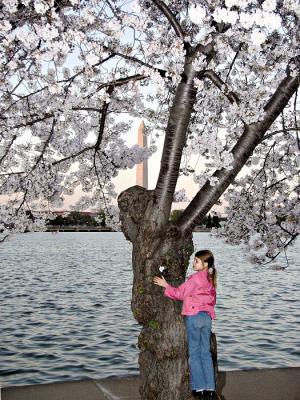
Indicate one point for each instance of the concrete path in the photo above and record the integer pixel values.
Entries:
(265, 384)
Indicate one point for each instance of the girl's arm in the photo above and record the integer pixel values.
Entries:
(178, 293)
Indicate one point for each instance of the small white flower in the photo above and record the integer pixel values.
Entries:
(213, 180)
(210, 270)
(40, 6)
(269, 5)
(92, 59)
(222, 14)
(258, 37)
(161, 268)
(197, 14)
(180, 196)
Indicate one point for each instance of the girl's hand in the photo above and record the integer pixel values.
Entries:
(160, 281)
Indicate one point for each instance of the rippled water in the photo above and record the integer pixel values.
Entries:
(65, 308)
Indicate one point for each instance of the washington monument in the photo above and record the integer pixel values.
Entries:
(142, 168)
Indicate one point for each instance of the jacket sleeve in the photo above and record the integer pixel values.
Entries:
(182, 291)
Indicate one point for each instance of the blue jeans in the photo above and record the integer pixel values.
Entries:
(200, 362)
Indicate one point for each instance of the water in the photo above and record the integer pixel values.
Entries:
(65, 308)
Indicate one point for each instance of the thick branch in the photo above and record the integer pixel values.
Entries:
(171, 18)
(175, 139)
(251, 137)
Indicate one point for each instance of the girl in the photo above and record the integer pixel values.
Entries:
(198, 294)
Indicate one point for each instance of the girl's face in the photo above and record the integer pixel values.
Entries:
(199, 265)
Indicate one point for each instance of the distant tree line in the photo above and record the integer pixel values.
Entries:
(77, 218)
(208, 221)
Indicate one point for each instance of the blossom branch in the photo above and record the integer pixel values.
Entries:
(279, 131)
(45, 146)
(220, 84)
(118, 82)
(243, 149)
(138, 61)
(170, 17)
(8, 148)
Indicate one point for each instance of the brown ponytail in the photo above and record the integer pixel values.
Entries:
(207, 255)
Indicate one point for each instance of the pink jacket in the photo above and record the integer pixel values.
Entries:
(197, 293)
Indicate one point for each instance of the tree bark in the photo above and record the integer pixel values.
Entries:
(163, 358)
(175, 139)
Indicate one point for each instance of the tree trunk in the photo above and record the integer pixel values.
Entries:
(163, 358)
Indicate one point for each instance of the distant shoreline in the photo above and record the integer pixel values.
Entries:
(100, 229)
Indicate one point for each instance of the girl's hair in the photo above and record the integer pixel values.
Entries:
(207, 255)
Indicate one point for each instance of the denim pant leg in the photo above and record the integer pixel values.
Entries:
(200, 361)
(197, 380)
(205, 354)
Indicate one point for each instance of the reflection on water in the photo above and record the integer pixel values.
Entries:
(65, 308)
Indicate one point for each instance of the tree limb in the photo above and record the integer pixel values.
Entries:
(134, 59)
(102, 121)
(175, 139)
(220, 84)
(279, 131)
(243, 149)
(8, 148)
(293, 237)
(117, 82)
(73, 155)
(47, 116)
(45, 145)
(171, 18)
(233, 61)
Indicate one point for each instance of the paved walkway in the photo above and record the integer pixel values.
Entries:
(265, 384)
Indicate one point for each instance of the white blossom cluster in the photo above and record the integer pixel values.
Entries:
(112, 218)
(73, 75)
(180, 196)
(263, 207)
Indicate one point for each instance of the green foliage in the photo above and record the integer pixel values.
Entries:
(215, 221)
(189, 249)
(141, 290)
(173, 354)
(143, 344)
(209, 221)
(101, 216)
(212, 222)
(154, 324)
(175, 214)
(137, 314)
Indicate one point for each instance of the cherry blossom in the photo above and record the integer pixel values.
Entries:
(76, 75)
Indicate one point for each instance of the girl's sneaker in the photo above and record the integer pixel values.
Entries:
(210, 395)
(198, 395)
